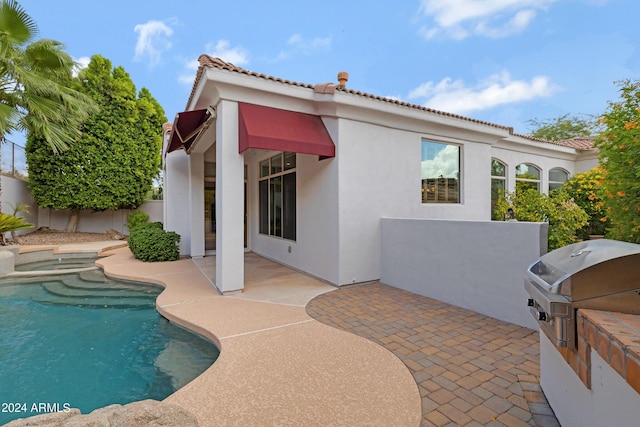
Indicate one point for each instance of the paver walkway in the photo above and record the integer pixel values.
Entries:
(470, 369)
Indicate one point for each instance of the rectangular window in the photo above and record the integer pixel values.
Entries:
(277, 196)
(498, 185)
(264, 206)
(289, 206)
(440, 173)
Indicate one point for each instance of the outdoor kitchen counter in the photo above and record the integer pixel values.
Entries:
(616, 338)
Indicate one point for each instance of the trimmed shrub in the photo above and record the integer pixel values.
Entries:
(150, 243)
(136, 218)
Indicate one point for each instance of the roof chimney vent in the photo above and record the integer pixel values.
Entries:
(343, 78)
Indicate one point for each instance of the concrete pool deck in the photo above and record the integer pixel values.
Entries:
(281, 364)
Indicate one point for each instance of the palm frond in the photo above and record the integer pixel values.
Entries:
(12, 223)
(16, 26)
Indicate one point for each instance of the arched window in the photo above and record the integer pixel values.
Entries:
(557, 178)
(498, 183)
(527, 176)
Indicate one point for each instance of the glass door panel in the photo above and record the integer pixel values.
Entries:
(210, 216)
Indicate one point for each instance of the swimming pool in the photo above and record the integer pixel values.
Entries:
(86, 341)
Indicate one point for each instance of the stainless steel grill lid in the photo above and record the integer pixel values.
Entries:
(555, 266)
(599, 274)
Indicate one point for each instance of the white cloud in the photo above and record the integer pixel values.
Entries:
(299, 45)
(221, 49)
(80, 64)
(153, 41)
(499, 89)
(188, 76)
(445, 163)
(309, 46)
(459, 19)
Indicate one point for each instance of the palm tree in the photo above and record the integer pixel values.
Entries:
(35, 79)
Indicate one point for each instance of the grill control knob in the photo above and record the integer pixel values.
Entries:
(531, 302)
(542, 316)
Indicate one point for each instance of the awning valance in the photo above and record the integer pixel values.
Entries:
(282, 130)
(187, 127)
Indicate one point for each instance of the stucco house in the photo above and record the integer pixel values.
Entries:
(302, 174)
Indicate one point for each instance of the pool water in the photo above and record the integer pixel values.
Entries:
(85, 341)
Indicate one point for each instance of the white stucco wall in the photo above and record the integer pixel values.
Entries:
(98, 222)
(611, 402)
(478, 265)
(587, 161)
(16, 191)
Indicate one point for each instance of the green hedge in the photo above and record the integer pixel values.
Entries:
(150, 243)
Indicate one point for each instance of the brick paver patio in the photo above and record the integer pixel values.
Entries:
(471, 369)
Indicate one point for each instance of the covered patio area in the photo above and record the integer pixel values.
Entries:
(268, 281)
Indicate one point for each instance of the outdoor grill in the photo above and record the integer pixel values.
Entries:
(596, 274)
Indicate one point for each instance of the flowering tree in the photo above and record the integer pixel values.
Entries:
(585, 189)
(619, 146)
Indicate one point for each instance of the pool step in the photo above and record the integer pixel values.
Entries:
(53, 264)
(98, 302)
(95, 280)
(96, 276)
(56, 293)
(59, 288)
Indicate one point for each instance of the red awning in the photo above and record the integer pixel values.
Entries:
(282, 130)
(187, 127)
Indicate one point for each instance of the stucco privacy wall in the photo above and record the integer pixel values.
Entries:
(16, 191)
(98, 222)
(478, 265)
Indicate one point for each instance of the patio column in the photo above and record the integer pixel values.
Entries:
(176, 180)
(196, 195)
(229, 201)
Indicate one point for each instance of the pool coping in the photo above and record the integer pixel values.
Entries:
(277, 365)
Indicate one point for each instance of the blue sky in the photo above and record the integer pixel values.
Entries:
(503, 61)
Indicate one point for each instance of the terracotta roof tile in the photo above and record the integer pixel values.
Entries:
(207, 61)
(579, 143)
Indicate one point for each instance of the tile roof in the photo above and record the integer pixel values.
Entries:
(579, 143)
(207, 61)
